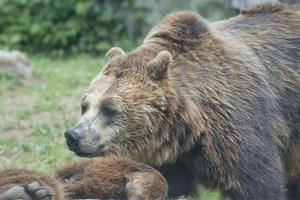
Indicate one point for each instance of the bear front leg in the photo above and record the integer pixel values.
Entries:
(273, 191)
(260, 179)
(112, 178)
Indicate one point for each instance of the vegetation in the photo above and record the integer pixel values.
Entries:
(77, 26)
(33, 121)
(60, 27)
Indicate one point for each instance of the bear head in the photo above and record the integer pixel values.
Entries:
(127, 108)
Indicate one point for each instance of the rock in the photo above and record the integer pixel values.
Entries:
(16, 61)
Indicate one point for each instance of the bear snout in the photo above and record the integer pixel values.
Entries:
(72, 138)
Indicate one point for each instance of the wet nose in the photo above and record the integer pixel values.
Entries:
(72, 138)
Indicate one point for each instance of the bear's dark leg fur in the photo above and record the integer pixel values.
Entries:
(180, 180)
(260, 178)
(271, 188)
(293, 190)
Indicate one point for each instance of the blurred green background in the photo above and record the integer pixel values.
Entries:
(92, 26)
(65, 41)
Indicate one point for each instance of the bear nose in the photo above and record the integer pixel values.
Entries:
(72, 138)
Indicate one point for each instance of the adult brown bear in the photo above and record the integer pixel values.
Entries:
(211, 103)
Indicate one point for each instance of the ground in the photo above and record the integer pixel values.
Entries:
(34, 113)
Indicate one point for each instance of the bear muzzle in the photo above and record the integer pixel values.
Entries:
(72, 139)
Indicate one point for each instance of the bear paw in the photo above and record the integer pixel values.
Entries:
(15, 193)
(39, 192)
(31, 191)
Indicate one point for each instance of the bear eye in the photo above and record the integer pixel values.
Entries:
(107, 111)
(84, 108)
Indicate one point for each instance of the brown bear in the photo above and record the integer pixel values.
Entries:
(104, 178)
(212, 103)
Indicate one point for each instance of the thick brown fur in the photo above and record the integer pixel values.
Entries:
(105, 178)
(222, 109)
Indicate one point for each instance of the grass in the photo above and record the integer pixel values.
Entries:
(34, 113)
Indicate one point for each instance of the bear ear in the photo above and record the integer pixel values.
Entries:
(158, 68)
(180, 27)
(113, 52)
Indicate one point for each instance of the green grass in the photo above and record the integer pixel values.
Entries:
(34, 113)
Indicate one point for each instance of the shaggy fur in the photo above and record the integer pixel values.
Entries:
(211, 103)
(105, 178)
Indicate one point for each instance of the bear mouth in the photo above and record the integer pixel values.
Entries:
(86, 155)
(99, 153)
